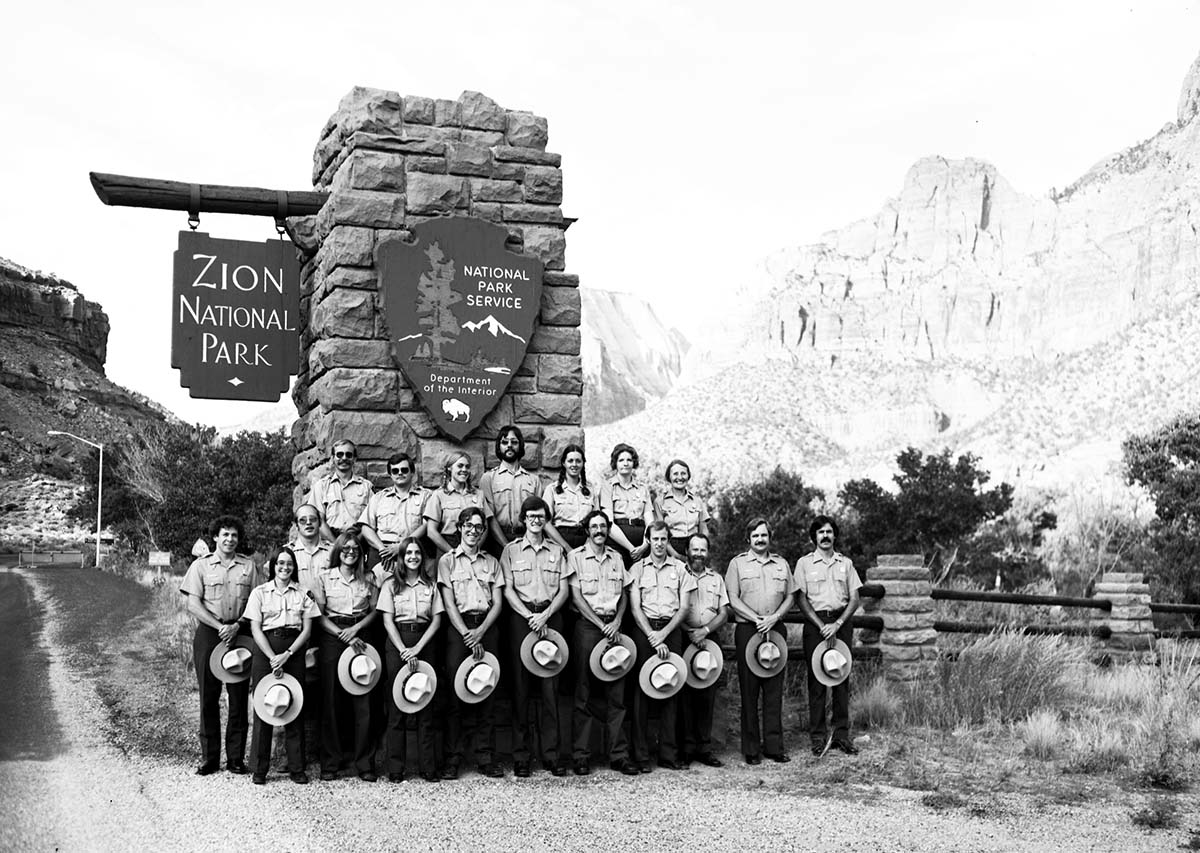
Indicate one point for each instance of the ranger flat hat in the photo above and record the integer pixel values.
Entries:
(413, 689)
(767, 656)
(612, 660)
(545, 656)
(831, 662)
(278, 699)
(475, 680)
(662, 678)
(359, 672)
(704, 664)
(231, 663)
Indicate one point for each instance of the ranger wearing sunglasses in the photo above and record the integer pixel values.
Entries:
(394, 514)
(341, 495)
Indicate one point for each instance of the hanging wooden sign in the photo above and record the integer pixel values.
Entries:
(235, 317)
(460, 310)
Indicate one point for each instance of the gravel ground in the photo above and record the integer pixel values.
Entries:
(91, 797)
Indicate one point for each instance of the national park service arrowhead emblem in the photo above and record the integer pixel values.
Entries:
(460, 311)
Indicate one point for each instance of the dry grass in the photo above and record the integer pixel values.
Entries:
(1042, 734)
(876, 705)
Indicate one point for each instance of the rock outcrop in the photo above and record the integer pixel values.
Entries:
(47, 303)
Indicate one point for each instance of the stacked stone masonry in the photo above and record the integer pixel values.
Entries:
(1132, 638)
(390, 162)
(908, 642)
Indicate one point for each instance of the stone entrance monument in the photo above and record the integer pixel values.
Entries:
(390, 163)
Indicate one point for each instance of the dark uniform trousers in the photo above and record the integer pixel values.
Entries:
(696, 719)
(467, 722)
(639, 745)
(770, 737)
(586, 637)
(340, 743)
(523, 683)
(397, 720)
(205, 640)
(293, 732)
(817, 691)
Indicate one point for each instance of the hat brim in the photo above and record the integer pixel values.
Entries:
(398, 687)
(218, 668)
(693, 678)
(751, 656)
(531, 663)
(258, 699)
(601, 647)
(819, 671)
(647, 670)
(464, 671)
(348, 683)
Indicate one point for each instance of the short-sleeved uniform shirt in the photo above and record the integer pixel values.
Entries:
(683, 516)
(536, 571)
(443, 507)
(505, 491)
(470, 579)
(275, 609)
(626, 503)
(827, 581)
(600, 579)
(415, 602)
(571, 507)
(392, 514)
(663, 587)
(222, 590)
(345, 597)
(708, 600)
(762, 582)
(341, 504)
(310, 560)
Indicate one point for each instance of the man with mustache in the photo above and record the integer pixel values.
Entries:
(707, 614)
(828, 587)
(505, 488)
(341, 495)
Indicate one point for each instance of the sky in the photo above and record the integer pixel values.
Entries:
(696, 137)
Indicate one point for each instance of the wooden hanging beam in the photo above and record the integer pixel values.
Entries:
(125, 191)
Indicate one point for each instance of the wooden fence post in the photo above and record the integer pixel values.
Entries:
(908, 642)
(1132, 639)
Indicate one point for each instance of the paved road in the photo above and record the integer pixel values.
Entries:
(62, 787)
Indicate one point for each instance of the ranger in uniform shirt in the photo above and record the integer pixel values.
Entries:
(506, 487)
(707, 614)
(761, 591)
(217, 589)
(658, 600)
(828, 584)
(598, 582)
(536, 585)
(684, 513)
(394, 513)
(312, 552)
(341, 495)
(445, 504)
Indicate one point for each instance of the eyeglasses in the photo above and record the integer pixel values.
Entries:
(400, 470)
(535, 516)
(308, 520)
(349, 549)
(344, 454)
(473, 526)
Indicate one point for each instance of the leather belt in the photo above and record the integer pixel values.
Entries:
(412, 626)
(282, 632)
(473, 620)
(659, 624)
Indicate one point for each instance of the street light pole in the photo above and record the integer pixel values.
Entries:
(99, 482)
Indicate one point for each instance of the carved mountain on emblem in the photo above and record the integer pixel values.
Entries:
(491, 325)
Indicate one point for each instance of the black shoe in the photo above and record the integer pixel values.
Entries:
(753, 759)
(709, 760)
(431, 777)
(582, 768)
(644, 767)
(668, 764)
(778, 757)
(521, 769)
(368, 776)
(328, 775)
(846, 747)
(559, 769)
(625, 766)
(237, 767)
(299, 777)
(450, 771)
(207, 768)
(395, 778)
(493, 770)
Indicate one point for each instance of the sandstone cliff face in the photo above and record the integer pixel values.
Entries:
(962, 264)
(34, 300)
(630, 358)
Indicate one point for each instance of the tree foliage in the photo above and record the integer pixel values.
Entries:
(164, 485)
(782, 499)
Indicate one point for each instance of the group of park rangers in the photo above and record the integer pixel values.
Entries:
(403, 609)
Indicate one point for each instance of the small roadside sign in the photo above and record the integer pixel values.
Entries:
(160, 558)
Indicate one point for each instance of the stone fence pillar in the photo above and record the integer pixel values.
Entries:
(908, 642)
(1132, 639)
